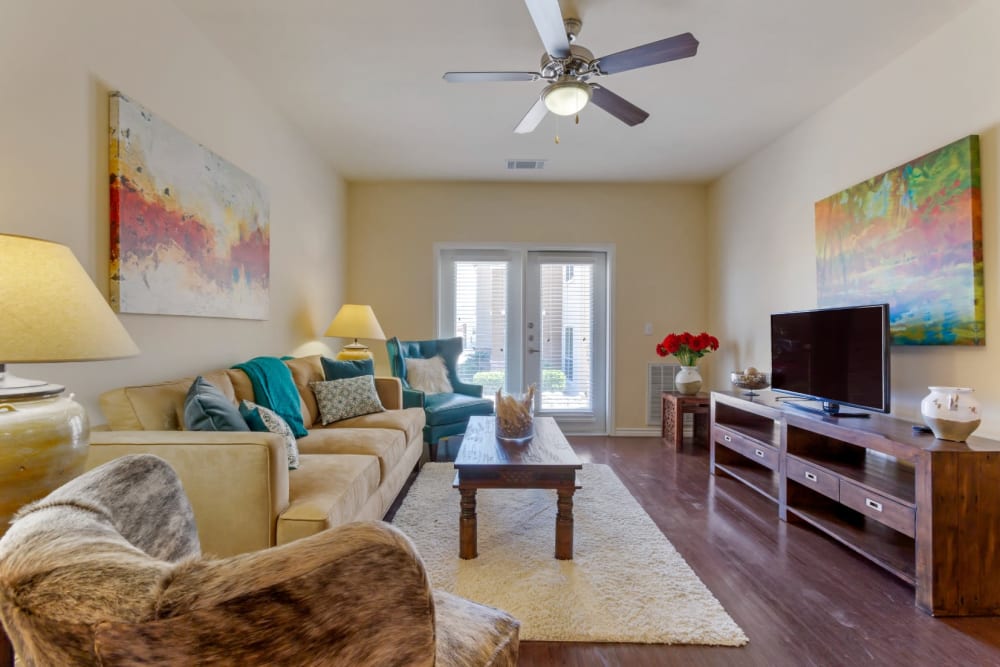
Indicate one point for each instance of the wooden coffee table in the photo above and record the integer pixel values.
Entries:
(545, 462)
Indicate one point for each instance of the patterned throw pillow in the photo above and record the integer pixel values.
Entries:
(343, 399)
(428, 375)
(264, 420)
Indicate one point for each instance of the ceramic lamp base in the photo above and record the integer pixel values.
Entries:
(43, 445)
(354, 352)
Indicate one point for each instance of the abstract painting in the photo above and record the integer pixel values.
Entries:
(190, 233)
(910, 237)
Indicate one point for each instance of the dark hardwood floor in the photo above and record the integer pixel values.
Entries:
(801, 598)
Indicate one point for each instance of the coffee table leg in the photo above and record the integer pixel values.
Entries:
(564, 525)
(467, 525)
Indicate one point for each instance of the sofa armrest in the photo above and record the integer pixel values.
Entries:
(390, 392)
(355, 595)
(237, 482)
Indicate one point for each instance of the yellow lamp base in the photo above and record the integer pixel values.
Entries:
(354, 353)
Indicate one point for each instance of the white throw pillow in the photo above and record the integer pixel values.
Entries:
(428, 375)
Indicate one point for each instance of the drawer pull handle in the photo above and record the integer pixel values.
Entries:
(811, 476)
(877, 506)
(727, 438)
(759, 453)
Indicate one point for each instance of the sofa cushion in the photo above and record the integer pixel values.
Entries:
(451, 408)
(306, 370)
(155, 407)
(206, 408)
(408, 420)
(327, 491)
(334, 369)
(343, 399)
(388, 445)
(266, 420)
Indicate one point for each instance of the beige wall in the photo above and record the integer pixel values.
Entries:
(58, 60)
(658, 232)
(762, 212)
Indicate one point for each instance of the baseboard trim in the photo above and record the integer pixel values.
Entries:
(651, 432)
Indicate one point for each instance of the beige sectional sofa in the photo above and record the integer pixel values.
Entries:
(243, 495)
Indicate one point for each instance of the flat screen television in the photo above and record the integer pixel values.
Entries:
(837, 356)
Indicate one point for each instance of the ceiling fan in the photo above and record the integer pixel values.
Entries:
(569, 68)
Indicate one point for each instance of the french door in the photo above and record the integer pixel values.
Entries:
(532, 317)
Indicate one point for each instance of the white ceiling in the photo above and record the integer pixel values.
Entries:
(362, 79)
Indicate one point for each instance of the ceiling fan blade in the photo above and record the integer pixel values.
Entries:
(549, 24)
(475, 77)
(618, 107)
(654, 53)
(532, 118)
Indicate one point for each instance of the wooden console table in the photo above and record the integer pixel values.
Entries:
(924, 509)
(673, 407)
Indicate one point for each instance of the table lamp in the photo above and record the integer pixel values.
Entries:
(354, 321)
(50, 311)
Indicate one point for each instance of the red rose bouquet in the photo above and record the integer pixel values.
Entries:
(687, 347)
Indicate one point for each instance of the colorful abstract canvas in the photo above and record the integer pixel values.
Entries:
(190, 233)
(912, 238)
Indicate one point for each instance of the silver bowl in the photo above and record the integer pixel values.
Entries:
(750, 381)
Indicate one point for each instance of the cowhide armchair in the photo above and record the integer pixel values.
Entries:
(107, 570)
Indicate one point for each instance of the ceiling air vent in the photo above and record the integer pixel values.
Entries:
(525, 164)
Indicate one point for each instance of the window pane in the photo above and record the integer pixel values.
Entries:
(567, 313)
(481, 321)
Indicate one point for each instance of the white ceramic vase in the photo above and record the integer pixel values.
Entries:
(952, 413)
(688, 380)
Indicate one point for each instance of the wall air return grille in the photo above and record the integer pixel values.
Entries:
(660, 378)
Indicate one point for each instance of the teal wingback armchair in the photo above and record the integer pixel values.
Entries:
(447, 413)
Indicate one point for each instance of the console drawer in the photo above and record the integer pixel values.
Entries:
(765, 455)
(813, 477)
(883, 509)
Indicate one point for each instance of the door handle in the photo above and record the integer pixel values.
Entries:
(533, 350)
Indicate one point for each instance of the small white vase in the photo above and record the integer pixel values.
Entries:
(952, 413)
(688, 380)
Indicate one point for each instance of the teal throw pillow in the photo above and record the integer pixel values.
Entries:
(206, 408)
(265, 420)
(341, 370)
(343, 399)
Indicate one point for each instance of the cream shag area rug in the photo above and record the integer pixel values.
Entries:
(626, 582)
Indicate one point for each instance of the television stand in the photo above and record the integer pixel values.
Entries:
(925, 510)
(828, 410)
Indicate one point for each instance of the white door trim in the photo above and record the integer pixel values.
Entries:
(521, 249)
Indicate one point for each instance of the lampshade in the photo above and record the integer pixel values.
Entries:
(50, 310)
(354, 321)
(566, 98)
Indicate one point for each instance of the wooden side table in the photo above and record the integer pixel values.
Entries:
(673, 408)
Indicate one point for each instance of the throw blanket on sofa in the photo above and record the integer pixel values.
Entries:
(274, 388)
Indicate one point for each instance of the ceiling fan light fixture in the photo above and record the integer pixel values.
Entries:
(565, 98)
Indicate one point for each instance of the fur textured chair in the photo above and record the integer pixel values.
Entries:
(107, 570)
